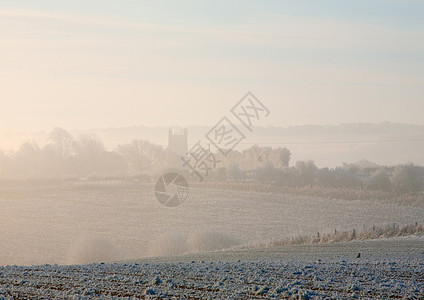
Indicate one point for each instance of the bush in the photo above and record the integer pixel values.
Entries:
(306, 172)
(380, 181)
(407, 179)
(338, 178)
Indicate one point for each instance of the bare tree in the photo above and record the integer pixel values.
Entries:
(142, 155)
(63, 142)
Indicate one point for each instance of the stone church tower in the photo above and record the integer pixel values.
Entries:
(178, 141)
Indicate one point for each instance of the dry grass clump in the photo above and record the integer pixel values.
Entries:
(374, 232)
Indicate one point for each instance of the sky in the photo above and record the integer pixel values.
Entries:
(103, 63)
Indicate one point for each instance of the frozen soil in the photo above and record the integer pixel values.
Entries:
(388, 268)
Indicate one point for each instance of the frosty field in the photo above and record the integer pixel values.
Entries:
(101, 222)
(389, 269)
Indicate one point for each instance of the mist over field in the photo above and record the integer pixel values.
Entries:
(74, 201)
(198, 149)
(97, 223)
(328, 145)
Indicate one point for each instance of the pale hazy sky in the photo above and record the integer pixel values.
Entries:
(93, 64)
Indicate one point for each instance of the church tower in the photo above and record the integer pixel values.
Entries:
(178, 141)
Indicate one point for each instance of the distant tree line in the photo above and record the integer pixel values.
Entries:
(65, 156)
(401, 179)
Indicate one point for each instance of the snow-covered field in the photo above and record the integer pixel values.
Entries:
(115, 221)
(388, 269)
